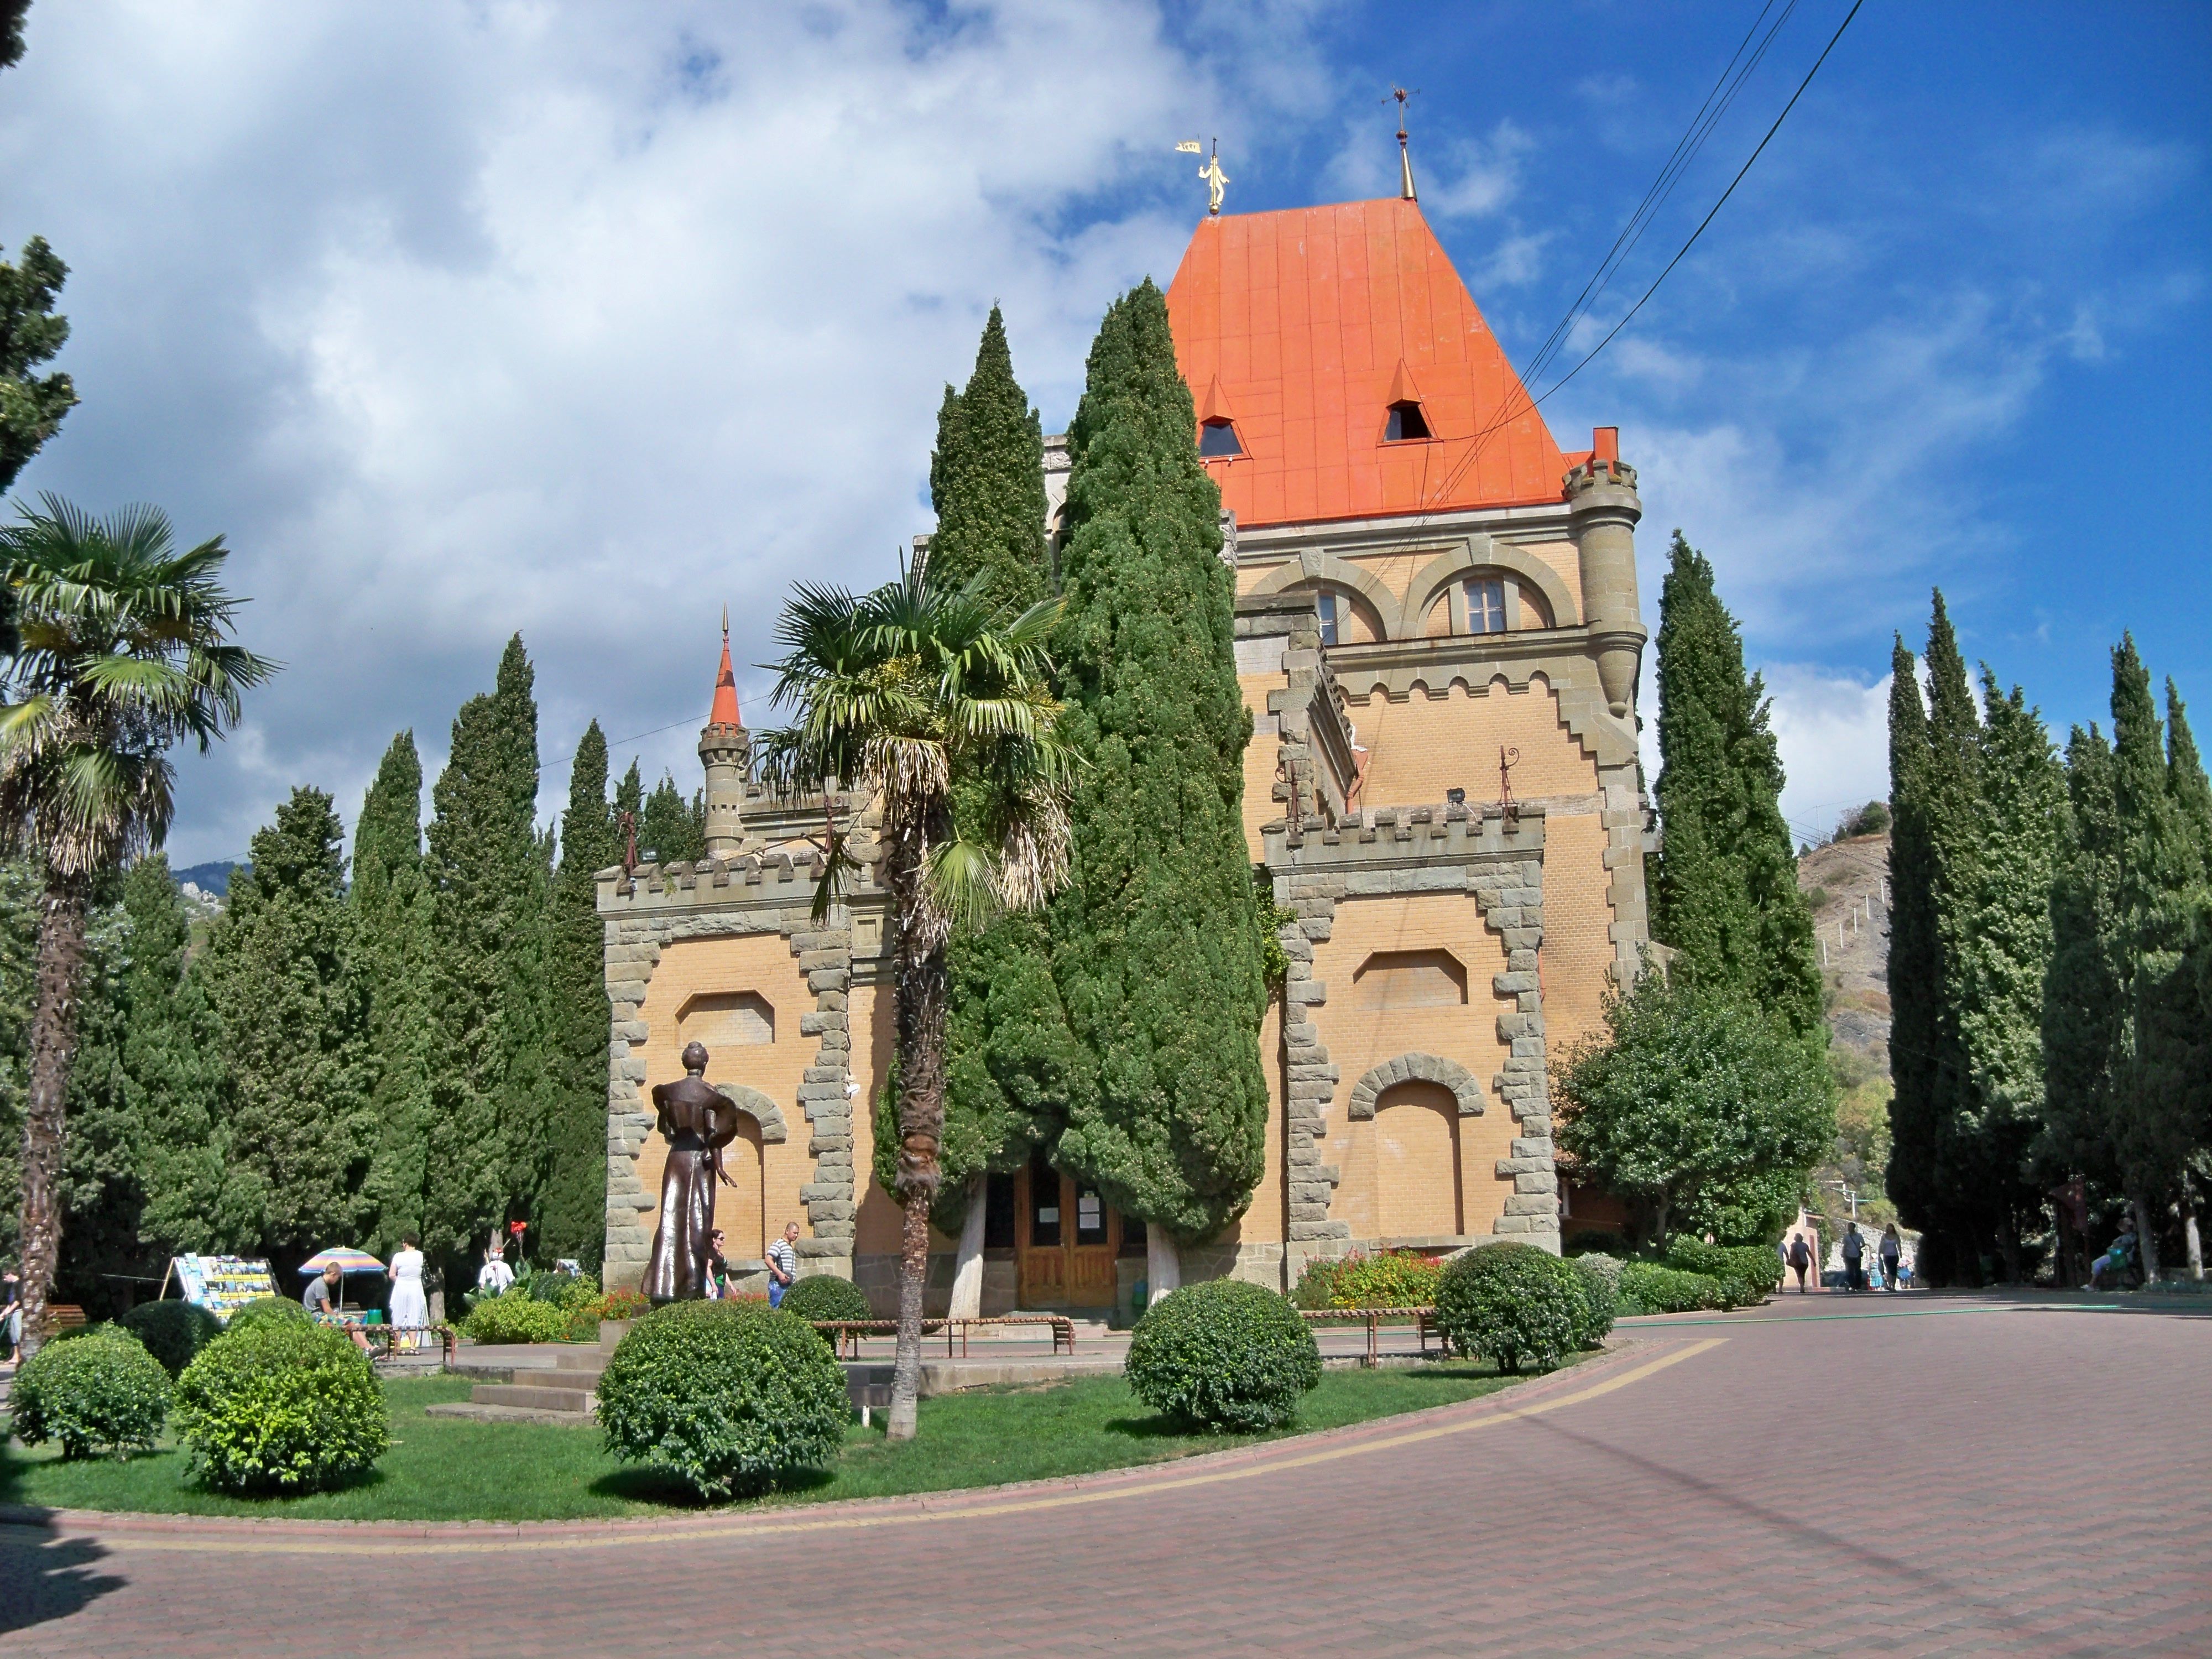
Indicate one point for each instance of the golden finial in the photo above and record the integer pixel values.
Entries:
(1406, 192)
(1210, 172)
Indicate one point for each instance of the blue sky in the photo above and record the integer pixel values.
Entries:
(583, 321)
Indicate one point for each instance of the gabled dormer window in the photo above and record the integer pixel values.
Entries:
(1406, 421)
(1217, 439)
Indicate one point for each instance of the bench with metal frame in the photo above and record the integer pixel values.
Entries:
(850, 1331)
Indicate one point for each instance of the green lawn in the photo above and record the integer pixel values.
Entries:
(449, 1470)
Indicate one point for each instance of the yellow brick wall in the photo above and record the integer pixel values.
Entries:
(1414, 1140)
(1577, 953)
(761, 963)
(1421, 747)
(1360, 1034)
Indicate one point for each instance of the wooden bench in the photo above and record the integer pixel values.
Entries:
(1423, 1320)
(63, 1317)
(850, 1331)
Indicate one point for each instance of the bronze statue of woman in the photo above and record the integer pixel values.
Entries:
(698, 1120)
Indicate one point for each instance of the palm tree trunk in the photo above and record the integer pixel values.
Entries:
(53, 1046)
(922, 991)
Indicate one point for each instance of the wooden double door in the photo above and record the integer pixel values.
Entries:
(1065, 1238)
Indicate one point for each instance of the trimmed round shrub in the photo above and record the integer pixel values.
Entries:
(174, 1331)
(1514, 1304)
(281, 1309)
(281, 1406)
(1386, 1278)
(1223, 1355)
(1648, 1288)
(733, 1397)
(1600, 1278)
(102, 1393)
(825, 1296)
(517, 1316)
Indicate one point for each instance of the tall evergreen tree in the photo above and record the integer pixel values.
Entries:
(32, 405)
(178, 1078)
(2082, 1003)
(987, 483)
(1010, 1058)
(1998, 955)
(294, 1023)
(1724, 894)
(487, 868)
(2162, 893)
(1157, 941)
(1915, 967)
(669, 828)
(395, 917)
(572, 1218)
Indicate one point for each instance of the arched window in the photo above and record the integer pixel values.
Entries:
(1327, 605)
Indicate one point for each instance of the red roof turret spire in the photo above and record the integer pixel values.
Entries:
(726, 683)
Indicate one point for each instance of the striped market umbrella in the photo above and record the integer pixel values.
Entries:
(349, 1261)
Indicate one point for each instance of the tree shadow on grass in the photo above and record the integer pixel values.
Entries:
(645, 1484)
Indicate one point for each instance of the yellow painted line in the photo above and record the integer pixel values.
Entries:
(619, 1533)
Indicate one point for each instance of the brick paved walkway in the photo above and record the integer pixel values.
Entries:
(1926, 1476)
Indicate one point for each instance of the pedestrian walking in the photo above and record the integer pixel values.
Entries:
(11, 1315)
(1891, 1250)
(409, 1308)
(1800, 1260)
(1854, 1257)
(718, 1268)
(783, 1264)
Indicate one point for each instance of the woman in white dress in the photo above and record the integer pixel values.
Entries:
(409, 1308)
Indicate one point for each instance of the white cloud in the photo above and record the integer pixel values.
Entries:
(1833, 734)
(580, 321)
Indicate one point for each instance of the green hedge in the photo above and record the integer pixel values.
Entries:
(733, 1397)
(281, 1406)
(1749, 1273)
(174, 1331)
(517, 1316)
(1648, 1288)
(1598, 1276)
(825, 1296)
(101, 1393)
(282, 1309)
(1513, 1304)
(1223, 1355)
(1386, 1278)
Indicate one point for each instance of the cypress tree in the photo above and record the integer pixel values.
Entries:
(668, 829)
(394, 913)
(1011, 1061)
(293, 1023)
(98, 1185)
(2162, 876)
(1157, 941)
(178, 1084)
(1724, 895)
(1915, 967)
(486, 869)
(2082, 989)
(1998, 960)
(572, 1216)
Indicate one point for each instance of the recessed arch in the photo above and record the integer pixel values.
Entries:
(1318, 566)
(1481, 553)
(1415, 1067)
(759, 1107)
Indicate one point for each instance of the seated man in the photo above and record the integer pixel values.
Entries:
(2117, 1260)
(320, 1299)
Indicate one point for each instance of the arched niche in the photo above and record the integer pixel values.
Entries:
(1481, 553)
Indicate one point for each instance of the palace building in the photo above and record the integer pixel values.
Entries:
(1439, 635)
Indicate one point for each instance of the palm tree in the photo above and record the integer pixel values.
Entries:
(123, 649)
(928, 697)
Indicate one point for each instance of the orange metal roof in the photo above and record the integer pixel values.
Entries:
(726, 690)
(1304, 326)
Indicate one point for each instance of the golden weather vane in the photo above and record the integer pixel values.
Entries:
(1210, 172)
(1406, 192)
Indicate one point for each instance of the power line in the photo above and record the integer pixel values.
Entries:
(1701, 125)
